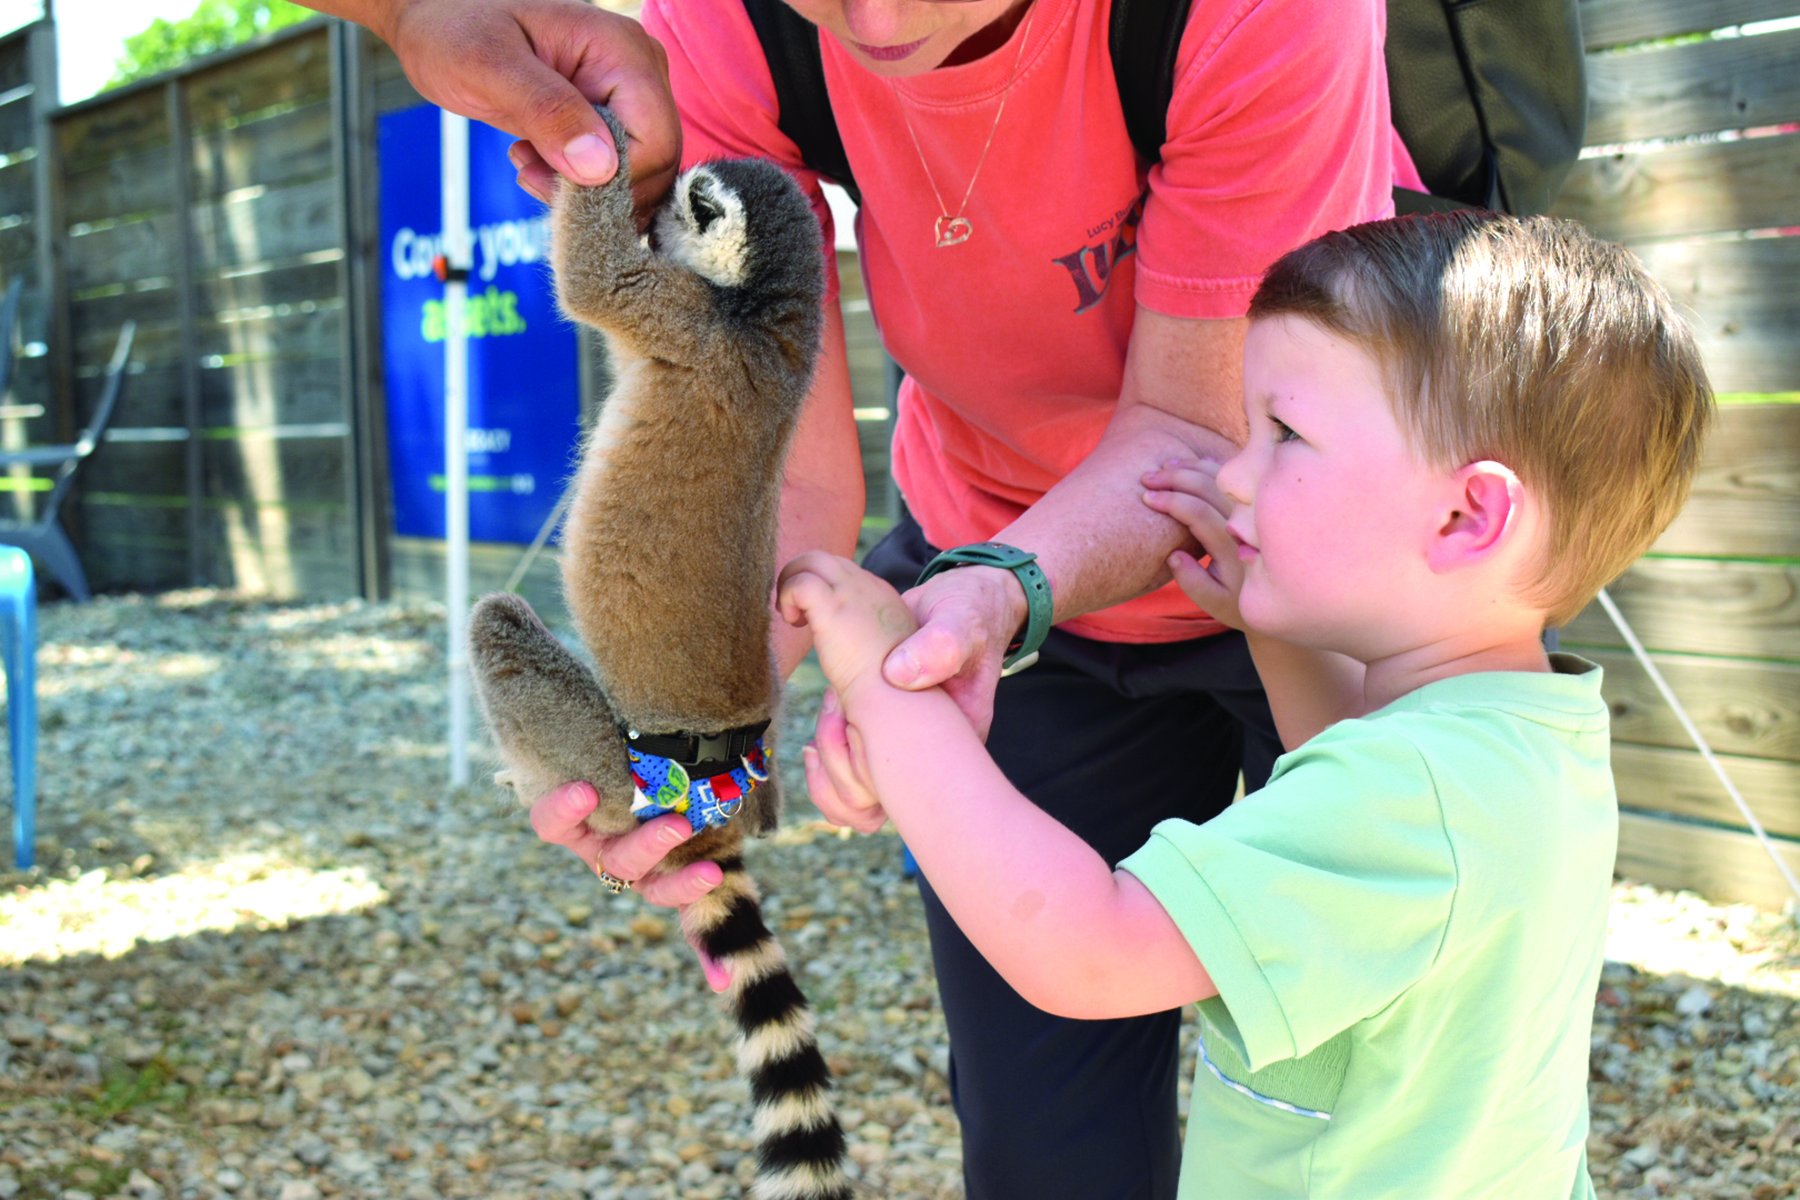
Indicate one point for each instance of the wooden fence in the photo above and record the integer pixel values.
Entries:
(1694, 162)
(230, 209)
(27, 97)
(219, 208)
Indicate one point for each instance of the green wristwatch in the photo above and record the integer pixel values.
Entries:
(1023, 652)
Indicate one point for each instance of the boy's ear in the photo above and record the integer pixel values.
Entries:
(1487, 506)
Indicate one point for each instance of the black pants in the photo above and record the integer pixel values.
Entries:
(1109, 739)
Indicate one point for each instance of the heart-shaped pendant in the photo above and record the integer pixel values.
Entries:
(953, 231)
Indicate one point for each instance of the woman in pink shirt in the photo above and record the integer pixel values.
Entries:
(1069, 317)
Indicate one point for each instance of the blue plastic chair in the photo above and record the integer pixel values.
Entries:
(18, 643)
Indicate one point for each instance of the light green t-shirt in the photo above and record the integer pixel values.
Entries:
(1406, 928)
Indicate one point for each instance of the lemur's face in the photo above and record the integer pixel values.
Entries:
(899, 38)
(703, 227)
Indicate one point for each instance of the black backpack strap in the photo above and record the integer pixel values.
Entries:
(1490, 98)
(803, 107)
(1143, 37)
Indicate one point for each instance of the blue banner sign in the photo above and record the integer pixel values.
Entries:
(524, 401)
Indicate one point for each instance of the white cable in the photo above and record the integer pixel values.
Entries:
(1693, 731)
(537, 544)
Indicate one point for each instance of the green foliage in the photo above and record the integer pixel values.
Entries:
(124, 1089)
(214, 25)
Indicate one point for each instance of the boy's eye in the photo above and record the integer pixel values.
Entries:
(1282, 432)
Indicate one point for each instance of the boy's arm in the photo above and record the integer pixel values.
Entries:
(1071, 935)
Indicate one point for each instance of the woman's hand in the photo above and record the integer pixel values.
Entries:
(635, 857)
(536, 68)
(967, 617)
(560, 818)
(1189, 492)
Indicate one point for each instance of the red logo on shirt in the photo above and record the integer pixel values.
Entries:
(1091, 267)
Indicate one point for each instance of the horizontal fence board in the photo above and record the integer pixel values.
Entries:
(131, 125)
(138, 182)
(416, 567)
(278, 224)
(1740, 706)
(18, 124)
(277, 551)
(288, 74)
(294, 391)
(1746, 495)
(1716, 863)
(281, 573)
(1696, 87)
(95, 323)
(1625, 22)
(125, 254)
(259, 338)
(1685, 190)
(127, 517)
(288, 147)
(148, 399)
(1680, 782)
(115, 564)
(1695, 606)
(262, 470)
(31, 385)
(1740, 298)
(388, 84)
(1753, 360)
(135, 402)
(137, 469)
(284, 284)
(18, 256)
(18, 184)
(298, 391)
(15, 59)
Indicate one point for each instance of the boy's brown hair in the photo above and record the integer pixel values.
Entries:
(1530, 342)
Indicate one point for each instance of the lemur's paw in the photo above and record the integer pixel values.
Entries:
(594, 237)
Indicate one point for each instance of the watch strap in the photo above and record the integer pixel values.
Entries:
(1023, 651)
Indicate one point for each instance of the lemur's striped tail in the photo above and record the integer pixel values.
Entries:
(799, 1143)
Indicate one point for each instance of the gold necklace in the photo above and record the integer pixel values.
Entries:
(955, 230)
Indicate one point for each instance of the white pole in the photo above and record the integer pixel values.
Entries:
(454, 134)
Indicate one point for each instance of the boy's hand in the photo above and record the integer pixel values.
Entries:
(1189, 492)
(837, 775)
(855, 617)
(855, 620)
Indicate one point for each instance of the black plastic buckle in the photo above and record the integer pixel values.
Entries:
(702, 754)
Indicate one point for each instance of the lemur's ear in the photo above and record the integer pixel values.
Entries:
(1483, 514)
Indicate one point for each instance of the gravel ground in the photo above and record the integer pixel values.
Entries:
(268, 953)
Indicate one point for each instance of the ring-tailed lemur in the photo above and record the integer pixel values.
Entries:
(668, 565)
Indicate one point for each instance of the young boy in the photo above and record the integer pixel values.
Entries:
(1461, 427)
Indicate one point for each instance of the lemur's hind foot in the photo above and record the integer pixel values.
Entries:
(546, 711)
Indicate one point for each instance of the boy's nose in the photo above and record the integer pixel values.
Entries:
(1234, 478)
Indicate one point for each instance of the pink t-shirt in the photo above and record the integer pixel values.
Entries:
(1014, 342)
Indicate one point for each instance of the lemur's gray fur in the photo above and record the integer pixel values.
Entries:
(668, 565)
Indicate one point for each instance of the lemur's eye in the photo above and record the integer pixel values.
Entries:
(706, 210)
